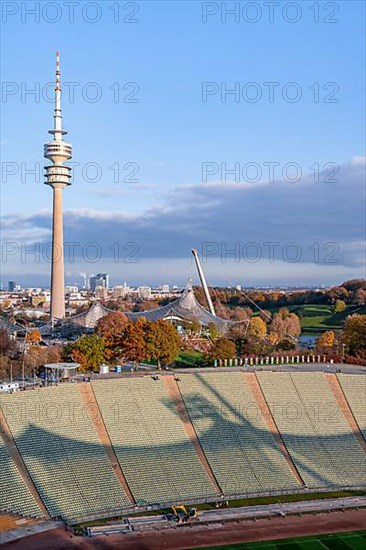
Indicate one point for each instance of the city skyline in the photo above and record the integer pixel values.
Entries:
(150, 101)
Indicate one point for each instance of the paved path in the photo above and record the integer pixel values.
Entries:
(27, 530)
(286, 508)
(302, 367)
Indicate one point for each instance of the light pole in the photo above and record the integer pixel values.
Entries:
(343, 352)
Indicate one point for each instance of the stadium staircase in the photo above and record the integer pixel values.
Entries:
(173, 390)
(253, 384)
(344, 406)
(91, 404)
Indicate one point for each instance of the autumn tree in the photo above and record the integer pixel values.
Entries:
(360, 297)
(339, 306)
(354, 334)
(7, 367)
(238, 334)
(326, 340)
(34, 358)
(110, 328)
(257, 328)
(53, 354)
(265, 315)
(9, 355)
(89, 352)
(162, 342)
(273, 338)
(133, 343)
(285, 324)
(338, 293)
(33, 337)
(240, 313)
(8, 345)
(113, 323)
(222, 348)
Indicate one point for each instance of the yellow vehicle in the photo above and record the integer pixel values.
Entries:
(181, 513)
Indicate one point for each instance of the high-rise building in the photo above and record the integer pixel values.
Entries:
(101, 279)
(120, 291)
(11, 286)
(101, 292)
(58, 177)
(144, 292)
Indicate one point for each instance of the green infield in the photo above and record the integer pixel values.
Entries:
(355, 540)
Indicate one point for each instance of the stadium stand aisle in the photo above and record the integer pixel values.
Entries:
(155, 453)
(15, 498)
(354, 388)
(68, 465)
(241, 450)
(314, 429)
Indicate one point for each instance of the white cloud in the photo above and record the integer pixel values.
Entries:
(324, 221)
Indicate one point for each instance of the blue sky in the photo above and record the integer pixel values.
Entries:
(168, 134)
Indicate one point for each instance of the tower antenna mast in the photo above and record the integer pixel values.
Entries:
(203, 281)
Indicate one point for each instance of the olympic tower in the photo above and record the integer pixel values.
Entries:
(58, 176)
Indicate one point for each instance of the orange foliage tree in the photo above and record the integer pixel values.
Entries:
(110, 328)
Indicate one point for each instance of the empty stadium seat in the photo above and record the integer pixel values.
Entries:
(15, 497)
(154, 451)
(317, 436)
(241, 450)
(354, 388)
(56, 438)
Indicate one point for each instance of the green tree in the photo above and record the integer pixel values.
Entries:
(195, 327)
(222, 348)
(89, 352)
(354, 334)
(213, 331)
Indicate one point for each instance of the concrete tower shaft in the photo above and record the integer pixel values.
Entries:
(58, 176)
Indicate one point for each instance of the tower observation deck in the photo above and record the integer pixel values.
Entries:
(58, 176)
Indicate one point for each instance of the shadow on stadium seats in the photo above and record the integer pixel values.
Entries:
(229, 416)
(70, 453)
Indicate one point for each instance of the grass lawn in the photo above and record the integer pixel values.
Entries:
(317, 317)
(354, 540)
(320, 317)
(189, 359)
